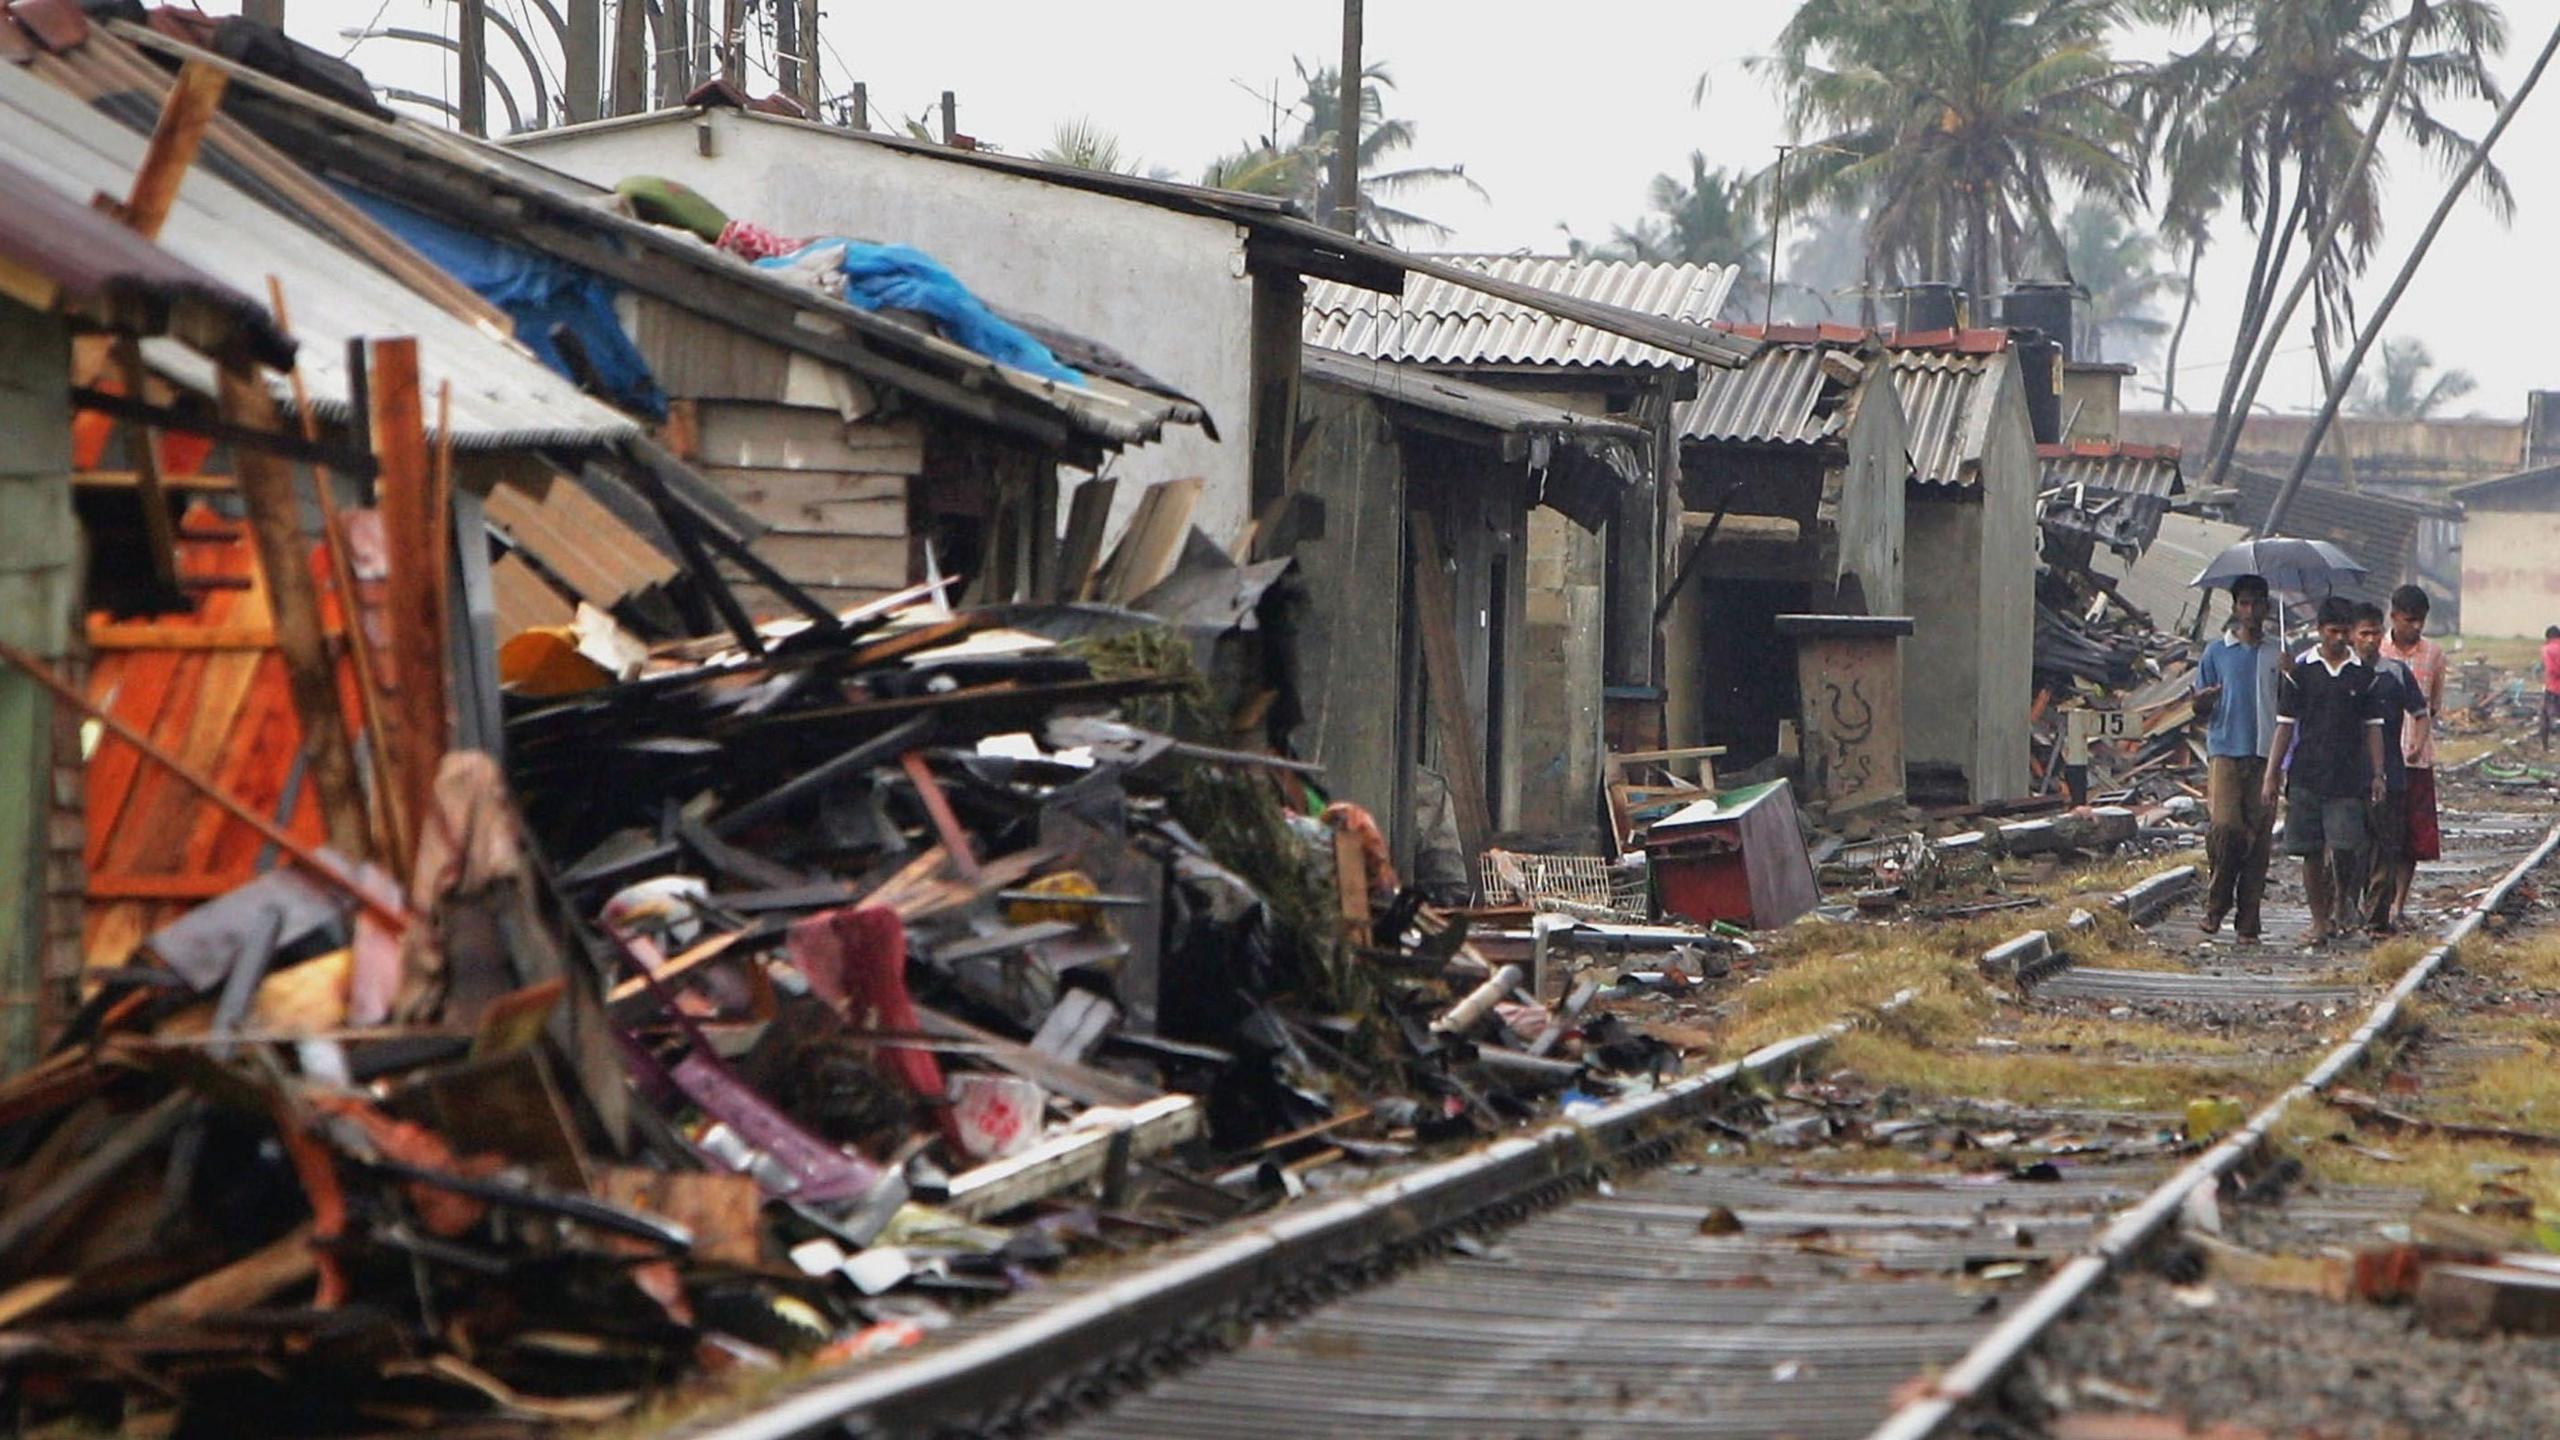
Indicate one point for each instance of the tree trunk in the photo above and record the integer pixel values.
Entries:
(2253, 325)
(2400, 284)
(2178, 336)
(2267, 223)
(2329, 227)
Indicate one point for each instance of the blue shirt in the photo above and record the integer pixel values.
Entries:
(2244, 719)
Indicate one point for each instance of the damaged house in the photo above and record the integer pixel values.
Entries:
(1792, 477)
(864, 450)
(1584, 584)
(1439, 484)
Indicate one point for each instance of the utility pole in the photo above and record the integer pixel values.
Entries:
(1346, 127)
(585, 60)
(810, 90)
(1777, 222)
(786, 46)
(472, 58)
(631, 57)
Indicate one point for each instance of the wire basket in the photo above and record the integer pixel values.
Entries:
(1573, 884)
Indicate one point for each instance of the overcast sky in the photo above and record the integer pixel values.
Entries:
(1563, 113)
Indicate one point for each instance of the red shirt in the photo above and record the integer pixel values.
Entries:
(2551, 667)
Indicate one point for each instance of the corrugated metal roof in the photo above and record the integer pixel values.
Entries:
(1439, 322)
(2123, 469)
(1947, 399)
(1479, 404)
(502, 396)
(1785, 395)
(2379, 531)
(113, 278)
(895, 351)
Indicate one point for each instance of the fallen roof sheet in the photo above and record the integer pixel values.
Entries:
(397, 157)
(56, 254)
(502, 396)
(1479, 404)
(1439, 321)
(2113, 466)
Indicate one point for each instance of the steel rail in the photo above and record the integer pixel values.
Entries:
(988, 1372)
(1995, 1353)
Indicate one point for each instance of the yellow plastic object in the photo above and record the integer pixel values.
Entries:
(544, 661)
(1064, 883)
(2213, 1116)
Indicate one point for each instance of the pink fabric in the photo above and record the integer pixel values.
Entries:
(2426, 661)
(751, 241)
(855, 959)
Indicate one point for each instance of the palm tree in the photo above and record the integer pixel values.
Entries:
(1963, 118)
(2408, 386)
(1705, 219)
(1084, 145)
(2118, 267)
(1299, 167)
(2273, 104)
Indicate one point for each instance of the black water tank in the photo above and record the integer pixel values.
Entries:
(2040, 367)
(2041, 305)
(1931, 305)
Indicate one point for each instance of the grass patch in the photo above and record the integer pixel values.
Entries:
(2085, 1035)
(2449, 1173)
(2032, 1078)
(2385, 963)
(1824, 972)
(2532, 962)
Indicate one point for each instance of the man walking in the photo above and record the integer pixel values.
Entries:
(2421, 839)
(2329, 725)
(2236, 693)
(2403, 705)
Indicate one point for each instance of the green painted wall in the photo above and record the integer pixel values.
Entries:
(39, 573)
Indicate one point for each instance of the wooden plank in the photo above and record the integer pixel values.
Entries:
(1461, 750)
(409, 502)
(275, 525)
(159, 799)
(856, 562)
(791, 437)
(833, 519)
(112, 635)
(1152, 544)
(196, 886)
(525, 599)
(128, 479)
(1088, 516)
(184, 117)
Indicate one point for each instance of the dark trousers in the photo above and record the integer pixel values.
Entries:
(2239, 840)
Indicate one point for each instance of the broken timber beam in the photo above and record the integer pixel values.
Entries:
(275, 526)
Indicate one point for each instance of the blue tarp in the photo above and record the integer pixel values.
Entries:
(901, 277)
(541, 294)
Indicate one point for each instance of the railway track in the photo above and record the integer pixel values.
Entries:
(1604, 1276)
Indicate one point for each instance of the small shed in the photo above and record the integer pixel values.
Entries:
(1426, 486)
(2510, 534)
(1972, 512)
(1590, 648)
(1793, 469)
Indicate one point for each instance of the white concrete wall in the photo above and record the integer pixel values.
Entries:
(2010, 474)
(1167, 290)
(1871, 517)
(2509, 584)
